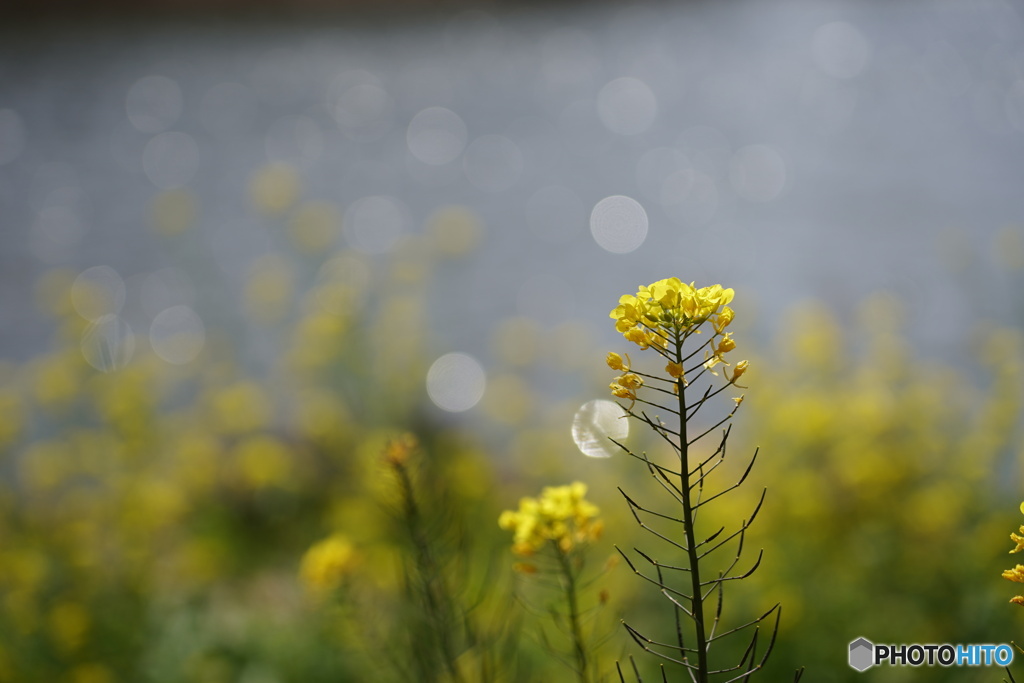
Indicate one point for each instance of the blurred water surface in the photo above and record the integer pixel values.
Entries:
(787, 149)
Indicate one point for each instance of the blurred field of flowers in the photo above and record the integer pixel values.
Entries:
(312, 311)
(159, 500)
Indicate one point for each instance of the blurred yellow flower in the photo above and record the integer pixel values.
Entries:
(561, 515)
(274, 187)
(326, 564)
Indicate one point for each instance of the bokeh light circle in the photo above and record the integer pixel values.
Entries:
(627, 106)
(619, 224)
(108, 343)
(595, 423)
(96, 292)
(436, 136)
(177, 334)
(456, 382)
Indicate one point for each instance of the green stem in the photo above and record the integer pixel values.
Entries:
(435, 595)
(579, 644)
(697, 602)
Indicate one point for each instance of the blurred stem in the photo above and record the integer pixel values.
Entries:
(579, 645)
(434, 593)
(697, 603)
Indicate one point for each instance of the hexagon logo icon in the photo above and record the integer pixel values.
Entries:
(862, 654)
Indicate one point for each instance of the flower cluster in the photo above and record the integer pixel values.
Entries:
(326, 564)
(666, 308)
(1017, 573)
(561, 515)
(663, 314)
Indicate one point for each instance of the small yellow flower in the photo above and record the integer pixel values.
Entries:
(619, 391)
(738, 399)
(630, 380)
(638, 336)
(723, 319)
(1018, 600)
(1019, 540)
(615, 362)
(674, 370)
(1016, 574)
(561, 515)
(726, 345)
(398, 449)
(738, 371)
(326, 564)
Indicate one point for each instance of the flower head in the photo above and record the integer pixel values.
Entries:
(561, 515)
(1016, 574)
(726, 345)
(738, 371)
(670, 307)
(326, 564)
(615, 362)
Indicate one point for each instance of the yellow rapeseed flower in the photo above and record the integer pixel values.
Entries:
(722, 320)
(1016, 574)
(561, 515)
(738, 371)
(726, 345)
(615, 362)
(1019, 540)
(326, 564)
(669, 307)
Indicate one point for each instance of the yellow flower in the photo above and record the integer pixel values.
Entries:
(630, 380)
(1019, 540)
(671, 306)
(619, 391)
(1016, 574)
(561, 515)
(738, 371)
(639, 337)
(722, 320)
(398, 449)
(674, 370)
(615, 362)
(726, 345)
(1018, 600)
(326, 564)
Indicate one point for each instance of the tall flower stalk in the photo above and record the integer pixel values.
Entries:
(669, 318)
(552, 534)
